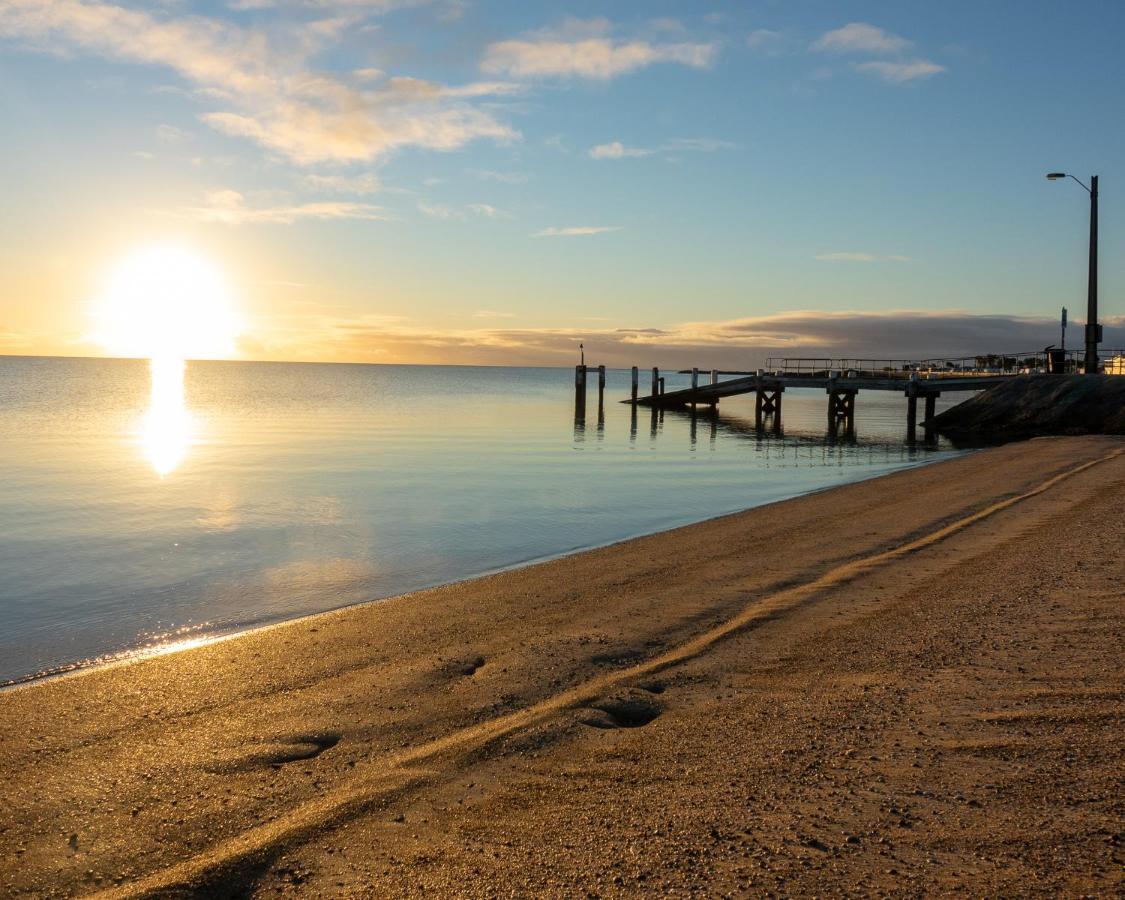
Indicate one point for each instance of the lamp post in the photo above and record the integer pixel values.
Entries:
(1093, 329)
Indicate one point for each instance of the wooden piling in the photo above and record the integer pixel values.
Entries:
(931, 408)
(694, 379)
(841, 408)
(635, 383)
(655, 381)
(767, 402)
(714, 376)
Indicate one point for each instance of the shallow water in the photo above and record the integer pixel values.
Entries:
(138, 514)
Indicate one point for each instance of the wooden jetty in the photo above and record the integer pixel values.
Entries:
(841, 390)
(842, 380)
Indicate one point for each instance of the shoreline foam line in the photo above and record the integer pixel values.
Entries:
(399, 770)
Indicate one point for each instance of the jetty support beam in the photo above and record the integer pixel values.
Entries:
(767, 402)
(841, 408)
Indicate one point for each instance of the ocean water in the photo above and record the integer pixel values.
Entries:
(146, 508)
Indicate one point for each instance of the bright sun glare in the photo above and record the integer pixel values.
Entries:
(169, 304)
(166, 302)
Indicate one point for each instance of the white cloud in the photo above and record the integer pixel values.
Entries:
(500, 177)
(901, 72)
(228, 207)
(617, 150)
(262, 81)
(584, 49)
(576, 231)
(860, 37)
(459, 214)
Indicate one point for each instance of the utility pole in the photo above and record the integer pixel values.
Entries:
(1093, 329)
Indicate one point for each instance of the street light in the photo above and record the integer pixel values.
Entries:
(1093, 329)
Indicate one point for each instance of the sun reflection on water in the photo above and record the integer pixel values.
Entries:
(166, 431)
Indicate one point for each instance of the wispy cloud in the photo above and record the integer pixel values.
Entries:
(492, 314)
(849, 256)
(617, 150)
(901, 72)
(500, 177)
(734, 343)
(577, 231)
(860, 37)
(698, 144)
(765, 40)
(170, 134)
(366, 183)
(262, 82)
(460, 214)
(586, 49)
(228, 207)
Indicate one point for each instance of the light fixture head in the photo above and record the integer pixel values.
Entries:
(1055, 176)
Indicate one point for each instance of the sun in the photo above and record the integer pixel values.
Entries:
(166, 302)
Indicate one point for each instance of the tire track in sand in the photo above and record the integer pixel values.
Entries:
(378, 778)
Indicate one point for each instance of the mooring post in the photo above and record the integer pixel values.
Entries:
(694, 379)
(655, 381)
(636, 381)
(714, 376)
(662, 384)
(912, 406)
(759, 396)
(601, 384)
(931, 408)
(580, 385)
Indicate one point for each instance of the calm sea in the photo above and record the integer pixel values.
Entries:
(139, 510)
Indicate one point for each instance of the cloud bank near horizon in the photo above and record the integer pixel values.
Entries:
(733, 344)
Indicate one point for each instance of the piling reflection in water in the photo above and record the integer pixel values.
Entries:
(836, 445)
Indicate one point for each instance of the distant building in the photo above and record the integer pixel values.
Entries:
(1115, 365)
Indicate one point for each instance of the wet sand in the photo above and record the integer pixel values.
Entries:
(904, 685)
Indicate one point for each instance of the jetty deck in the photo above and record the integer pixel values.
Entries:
(841, 380)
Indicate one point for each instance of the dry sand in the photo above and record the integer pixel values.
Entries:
(912, 684)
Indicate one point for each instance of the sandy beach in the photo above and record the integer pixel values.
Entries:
(905, 685)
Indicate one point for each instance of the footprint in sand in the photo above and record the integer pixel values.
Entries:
(276, 752)
(628, 709)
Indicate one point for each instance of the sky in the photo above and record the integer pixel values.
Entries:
(671, 183)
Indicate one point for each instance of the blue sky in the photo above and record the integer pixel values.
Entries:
(490, 182)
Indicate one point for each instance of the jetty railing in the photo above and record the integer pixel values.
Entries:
(1030, 362)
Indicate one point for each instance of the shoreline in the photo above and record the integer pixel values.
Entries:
(611, 714)
(128, 656)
